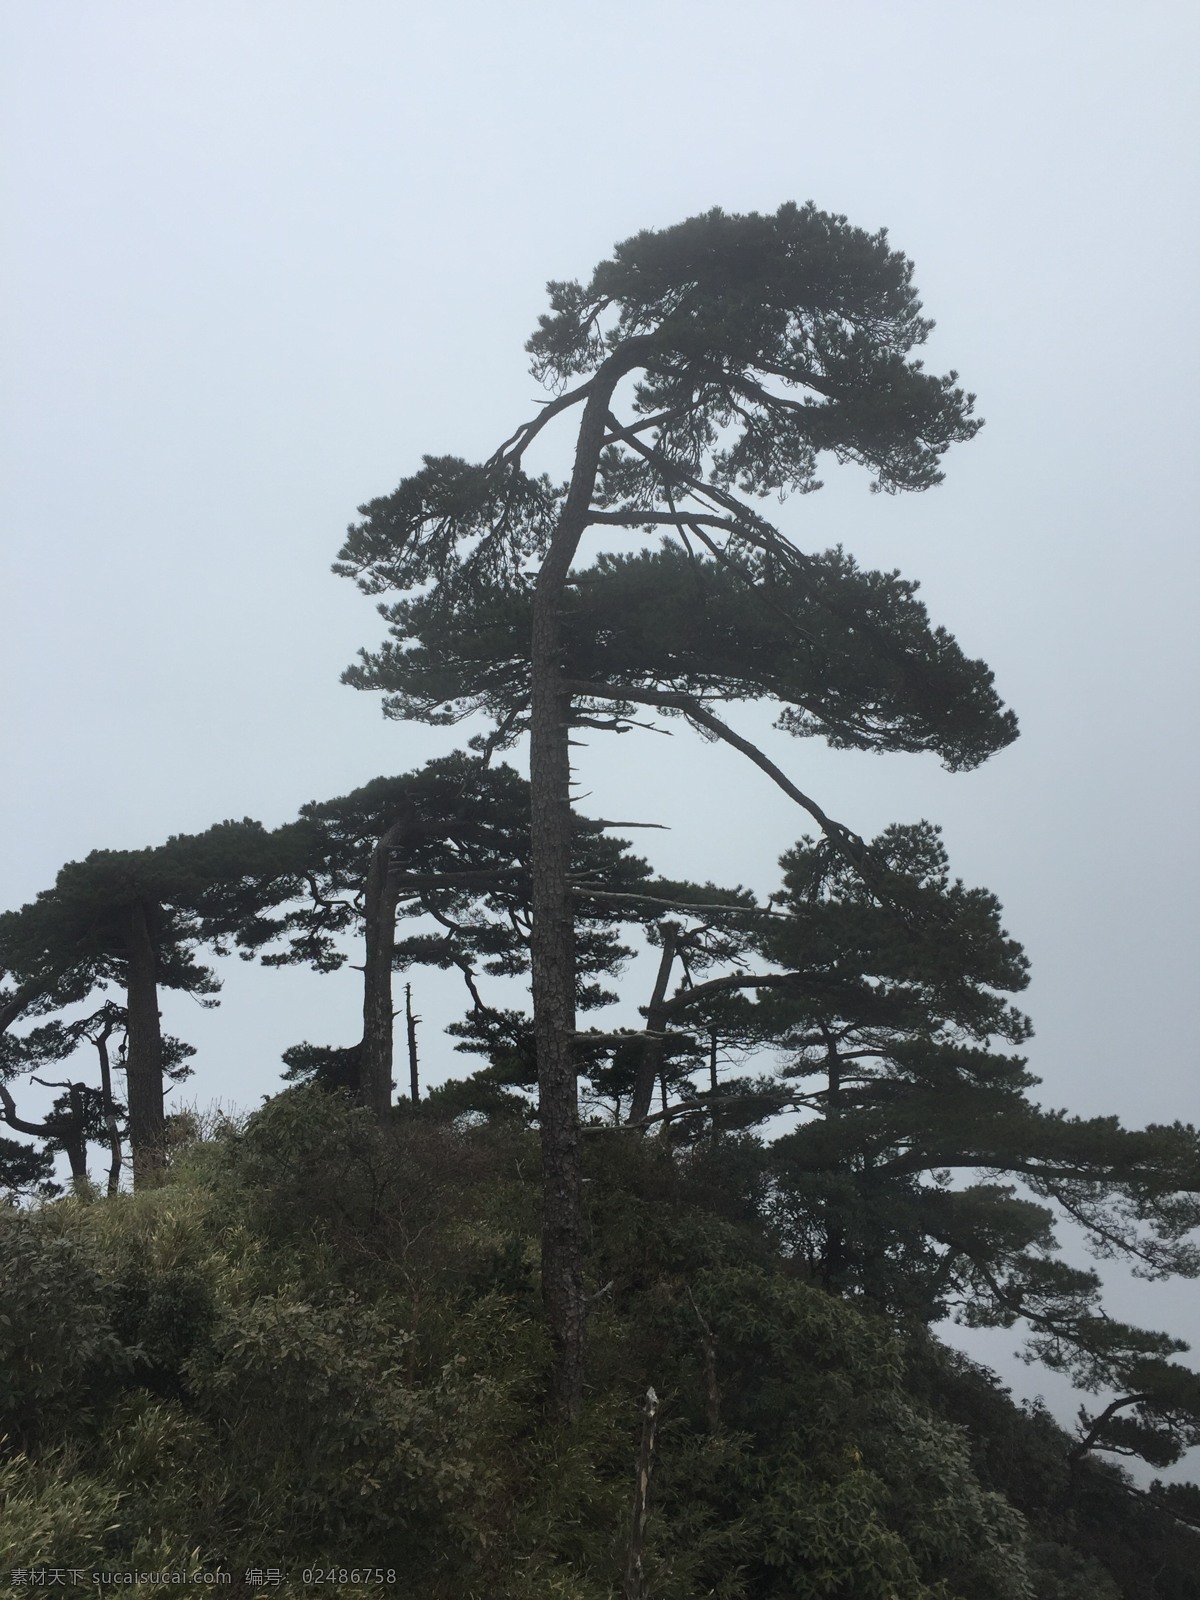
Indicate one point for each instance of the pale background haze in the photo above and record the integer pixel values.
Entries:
(260, 257)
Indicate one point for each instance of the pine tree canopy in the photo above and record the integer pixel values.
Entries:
(846, 654)
(731, 314)
(197, 889)
(761, 342)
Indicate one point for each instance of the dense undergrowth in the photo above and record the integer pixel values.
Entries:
(319, 1344)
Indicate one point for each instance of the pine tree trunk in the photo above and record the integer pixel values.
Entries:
(379, 913)
(74, 1142)
(553, 968)
(106, 1103)
(410, 1021)
(834, 1265)
(654, 1049)
(553, 933)
(144, 1059)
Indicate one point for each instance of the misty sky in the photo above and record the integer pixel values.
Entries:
(260, 257)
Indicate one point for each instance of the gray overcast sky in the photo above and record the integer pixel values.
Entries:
(261, 256)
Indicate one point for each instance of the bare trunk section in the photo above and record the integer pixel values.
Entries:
(553, 935)
(379, 913)
(834, 1265)
(633, 1583)
(653, 1050)
(144, 1059)
(74, 1140)
(553, 967)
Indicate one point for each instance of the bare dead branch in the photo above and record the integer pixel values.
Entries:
(605, 822)
(633, 1585)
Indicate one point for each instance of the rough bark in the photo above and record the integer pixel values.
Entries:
(11, 1009)
(553, 933)
(380, 895)
(74, 1140)
(834, 1266)
(144, 1058)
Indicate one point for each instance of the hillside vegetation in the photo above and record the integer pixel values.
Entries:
(320, 1344)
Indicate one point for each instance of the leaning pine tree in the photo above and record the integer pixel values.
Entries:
(707, 366)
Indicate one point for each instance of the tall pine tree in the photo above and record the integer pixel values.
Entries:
(706, 366)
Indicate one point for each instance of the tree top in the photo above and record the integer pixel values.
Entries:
(726, 314)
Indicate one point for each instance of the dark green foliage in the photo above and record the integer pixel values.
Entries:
(201, 890)
(60, 1358)
(323, 1333)
(726, 303)
(778, 339)
(327, 1066)
(1092, 1536)
(24, 1169)
(912, 954)
(198, 889)
(850, 655)
(459, 815)
(484, 1094)
(136, 920)
(462, 861)
(920, 1179)
(455, 523)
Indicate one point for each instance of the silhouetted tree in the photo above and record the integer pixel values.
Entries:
(739, 349)
(446, 845)
(135, 920)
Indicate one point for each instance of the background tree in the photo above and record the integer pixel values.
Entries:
(135, 920)
(25, 1170)
(447, 846)
(921, 1178)
(86, 1113)
(759, 342)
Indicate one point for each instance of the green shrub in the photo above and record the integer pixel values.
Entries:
(322, 1336)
